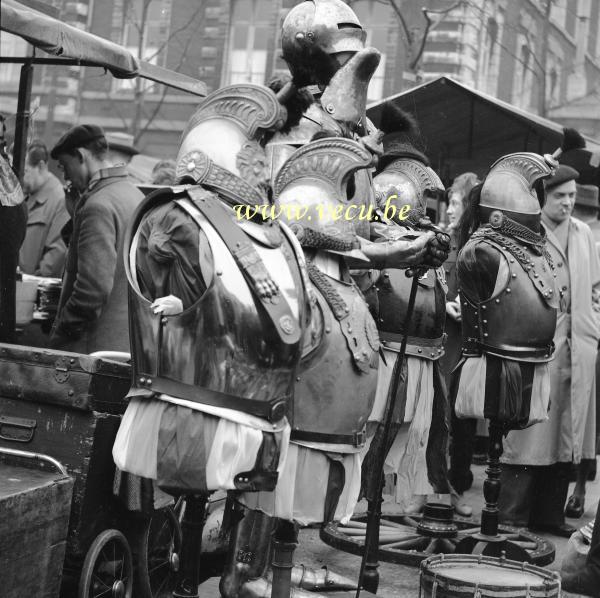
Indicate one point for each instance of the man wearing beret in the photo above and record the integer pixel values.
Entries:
(92, 312)
(537, 461)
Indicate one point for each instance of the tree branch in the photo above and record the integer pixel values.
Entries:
(166, 89)
(176, 32)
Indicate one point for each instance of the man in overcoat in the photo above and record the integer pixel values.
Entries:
(535, 478)
(92, 312)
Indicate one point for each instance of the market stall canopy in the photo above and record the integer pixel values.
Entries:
(67, 42)
(467, 130)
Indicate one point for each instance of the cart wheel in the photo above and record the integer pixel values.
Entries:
(108, 568)
(156, 548)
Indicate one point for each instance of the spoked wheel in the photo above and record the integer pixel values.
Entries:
(156, 549)
(108, 568)
(403, 539)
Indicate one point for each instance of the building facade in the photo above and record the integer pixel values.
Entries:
(502, 47)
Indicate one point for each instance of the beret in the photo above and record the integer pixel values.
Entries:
(122, 142)
(76, 136)
(563, 174)
(587, 196)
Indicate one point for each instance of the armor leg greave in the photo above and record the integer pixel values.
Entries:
(249, 551)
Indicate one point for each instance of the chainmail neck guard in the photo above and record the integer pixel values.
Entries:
(501, 226)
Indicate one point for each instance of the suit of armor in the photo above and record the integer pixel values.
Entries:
(319, 168)
(417, 453)
(213, 376)
(508, 300)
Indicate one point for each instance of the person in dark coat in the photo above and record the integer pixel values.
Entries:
(92, 312)
(13, 220)
(43, 252)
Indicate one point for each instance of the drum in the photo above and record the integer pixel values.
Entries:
(473, 576)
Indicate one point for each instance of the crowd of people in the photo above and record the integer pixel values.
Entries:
(79, 233)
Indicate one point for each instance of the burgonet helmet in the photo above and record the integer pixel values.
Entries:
(220, 147)
(406, 181)
(511, 187)
(313, 33)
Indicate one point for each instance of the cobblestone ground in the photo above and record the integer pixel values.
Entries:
(398, 581)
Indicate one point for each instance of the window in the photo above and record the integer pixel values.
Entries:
(251, 30)
(375, 17)
(154, 31)
(524, 75)
(490, 58)
(558, 13)
(11, 45)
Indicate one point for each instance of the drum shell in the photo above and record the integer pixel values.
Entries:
(435, 583)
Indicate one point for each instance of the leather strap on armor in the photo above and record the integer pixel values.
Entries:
(471, 347)
(272, 411)
(334, 299)
(249, 262)
(357, 439)
(341, 311)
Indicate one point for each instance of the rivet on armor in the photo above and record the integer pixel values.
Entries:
(476, 327)
(297, 378)
(508, 290)
(299, 36)
(483, 307)
(485, 334)
(330, 108)
(512, 260)
(535, 274)
(219, 272)
(350, 329)
(485, 321)
(419, 350)
(164, 320)
(142, 381)
(346, 309)
(148, 382)
(191, 165)
(433, 355)
(514, 275)
(327, 330)
(497, 300)
(71, 393)
(71, 361)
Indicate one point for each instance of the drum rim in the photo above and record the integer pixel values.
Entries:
(430, 570)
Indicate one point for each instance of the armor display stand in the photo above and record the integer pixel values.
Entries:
(488, 541)
(188, 577)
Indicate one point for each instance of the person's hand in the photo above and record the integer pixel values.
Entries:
(167, 306)
(438, 250)
(453, 310)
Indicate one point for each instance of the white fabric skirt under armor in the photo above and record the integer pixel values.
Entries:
(232, 441)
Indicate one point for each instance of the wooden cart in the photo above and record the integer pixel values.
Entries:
(68, 406)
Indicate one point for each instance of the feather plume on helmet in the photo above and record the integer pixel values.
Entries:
(402, 136)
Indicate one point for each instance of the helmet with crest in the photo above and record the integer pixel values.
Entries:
(403, 175)
(514, 188)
